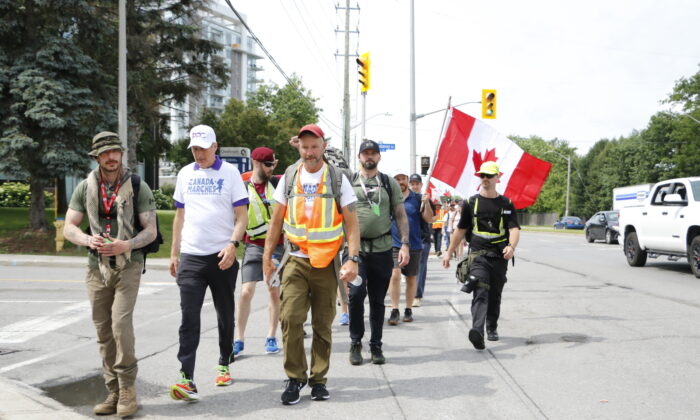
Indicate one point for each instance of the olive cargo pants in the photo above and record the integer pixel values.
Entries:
(304, 287)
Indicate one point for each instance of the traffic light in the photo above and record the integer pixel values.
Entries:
(424, 165)
(363, 62)
(488, 103)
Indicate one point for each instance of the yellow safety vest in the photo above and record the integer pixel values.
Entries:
(491, 237)
(258, 211)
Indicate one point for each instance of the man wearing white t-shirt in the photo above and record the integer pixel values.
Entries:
(316, 207)
(211, 217)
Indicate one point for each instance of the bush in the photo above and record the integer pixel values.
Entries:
(16, 194)
(163, 201)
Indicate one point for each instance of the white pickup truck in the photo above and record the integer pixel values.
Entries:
(668, 223)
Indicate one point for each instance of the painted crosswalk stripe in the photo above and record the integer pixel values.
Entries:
(23, 331)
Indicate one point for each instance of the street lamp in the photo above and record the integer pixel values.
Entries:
(568, 178)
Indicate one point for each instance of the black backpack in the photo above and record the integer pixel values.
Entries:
(154, 246)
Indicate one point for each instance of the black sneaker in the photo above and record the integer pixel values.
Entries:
(394, 317)
(319, 392)
(290, 396)
(477, 339)
(492, 335)
(356, 354)
(377, 355)
(408, 315)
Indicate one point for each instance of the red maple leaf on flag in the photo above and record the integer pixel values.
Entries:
(478, 160)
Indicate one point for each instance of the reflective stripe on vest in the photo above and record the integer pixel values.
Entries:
(493, 238)
(321, 236)
(258, 213)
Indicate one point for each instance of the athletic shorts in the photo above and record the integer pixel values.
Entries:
(411, 269)
(251, 268)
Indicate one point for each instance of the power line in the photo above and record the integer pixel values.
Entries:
(274, 62)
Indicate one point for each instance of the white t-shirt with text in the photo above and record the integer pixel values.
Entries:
(208, 196)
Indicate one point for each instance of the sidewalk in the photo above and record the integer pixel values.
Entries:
(75, 262)
(19, 401)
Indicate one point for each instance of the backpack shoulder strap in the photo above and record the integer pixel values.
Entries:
(336, 183)
(386, 183)
(289, 175)
(136, 186)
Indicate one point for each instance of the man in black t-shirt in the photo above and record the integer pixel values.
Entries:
(488, 222)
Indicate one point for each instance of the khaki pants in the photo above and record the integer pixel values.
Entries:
(305, 287)
(112, 314)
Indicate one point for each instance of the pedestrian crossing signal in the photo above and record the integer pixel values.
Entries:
(363, 62)
(488, 103)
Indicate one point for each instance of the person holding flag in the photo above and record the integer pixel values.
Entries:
(489, 223)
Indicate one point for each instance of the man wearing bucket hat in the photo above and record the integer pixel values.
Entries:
(210, 219)
(490, 225)
(114, 263)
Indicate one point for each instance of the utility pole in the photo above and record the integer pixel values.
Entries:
(568, 183)
(346, 79)
(412, 68)
(122, 118)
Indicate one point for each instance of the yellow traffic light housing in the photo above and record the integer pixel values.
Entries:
(488, 103)
(363, 62)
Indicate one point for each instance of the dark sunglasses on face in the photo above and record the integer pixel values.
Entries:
(269, 164)
(489, 176)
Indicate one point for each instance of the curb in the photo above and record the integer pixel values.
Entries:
(21, 401)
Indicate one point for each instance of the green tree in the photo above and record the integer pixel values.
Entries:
(270, 118)
(53, 94)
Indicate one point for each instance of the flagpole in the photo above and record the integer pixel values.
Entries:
(437, 147)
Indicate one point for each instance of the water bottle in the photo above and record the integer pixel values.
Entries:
(357, 281)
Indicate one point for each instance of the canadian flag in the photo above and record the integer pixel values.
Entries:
(469, 142)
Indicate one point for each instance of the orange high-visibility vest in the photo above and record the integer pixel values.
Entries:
(440, 221)
(321, 236)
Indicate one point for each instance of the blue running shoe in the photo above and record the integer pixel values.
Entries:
(271, 346)
(344, 319)
(237, 347)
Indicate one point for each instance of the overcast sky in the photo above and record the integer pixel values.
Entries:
(576, 71)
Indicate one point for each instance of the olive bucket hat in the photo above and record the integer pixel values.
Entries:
(105, 141)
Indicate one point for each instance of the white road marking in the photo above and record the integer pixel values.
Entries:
(23, 331)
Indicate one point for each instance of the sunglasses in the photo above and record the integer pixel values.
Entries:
(269, 164)
(489, 176)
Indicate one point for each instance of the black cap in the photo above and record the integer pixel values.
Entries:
(369, 145)
(415, 178)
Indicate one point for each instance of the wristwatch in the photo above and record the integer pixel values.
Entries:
(355, 258)
(235, 243)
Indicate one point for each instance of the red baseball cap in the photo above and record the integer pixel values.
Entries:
(313, 129)
(263, 154)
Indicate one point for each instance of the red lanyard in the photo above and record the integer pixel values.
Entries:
(108, 204)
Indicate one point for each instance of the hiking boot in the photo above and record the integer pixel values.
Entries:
(127, 405)
(408, 315)
(394, 317)
(271, 346)
(356, 354)
(477, 339)
(238, 346)
(290, 396)
(108, 406)
(223, 376)
(492, 335)
(184, 390)
(377, 355)
(319, 392)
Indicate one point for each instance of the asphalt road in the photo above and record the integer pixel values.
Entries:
(583, 335)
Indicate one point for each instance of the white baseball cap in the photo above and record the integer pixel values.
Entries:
(398, 172)
(202, 136)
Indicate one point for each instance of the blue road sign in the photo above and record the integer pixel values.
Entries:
(383, 147)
